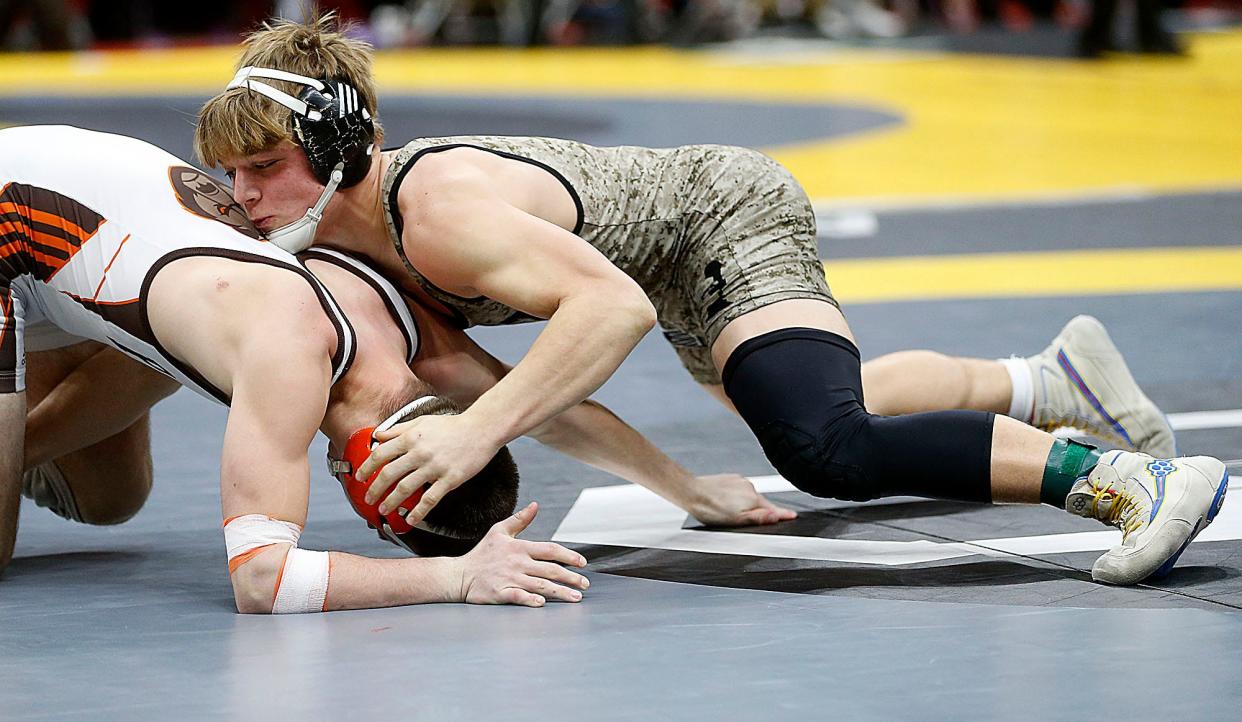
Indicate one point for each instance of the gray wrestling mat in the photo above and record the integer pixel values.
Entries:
(137, 621)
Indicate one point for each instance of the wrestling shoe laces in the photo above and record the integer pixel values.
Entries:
(1160, 506)
(1121, 509)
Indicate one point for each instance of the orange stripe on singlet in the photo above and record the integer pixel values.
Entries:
(10, 248)
(7, 227)
(46, 258)
(51, 240)
(14, 248)
(50, 219)
(109, 268)
(70, 239)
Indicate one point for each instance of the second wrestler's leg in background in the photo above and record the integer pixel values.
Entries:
(1080, 380)
(87, 443)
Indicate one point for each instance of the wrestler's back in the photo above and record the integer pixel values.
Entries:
(105, 213)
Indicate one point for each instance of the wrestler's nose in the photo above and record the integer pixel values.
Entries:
(245, 192)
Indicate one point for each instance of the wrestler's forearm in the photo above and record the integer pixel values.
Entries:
(583, 344)
(592, 434)
(364, 583)
(354, 582)
(102, 397)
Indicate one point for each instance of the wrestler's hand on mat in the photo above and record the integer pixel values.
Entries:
(443, 451)
(503, 569)
(731, 500)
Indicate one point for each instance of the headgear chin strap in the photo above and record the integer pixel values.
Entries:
(299, 235)
(334, 129)
(420, 538)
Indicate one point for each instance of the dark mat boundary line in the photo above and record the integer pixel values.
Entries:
(1068, 567)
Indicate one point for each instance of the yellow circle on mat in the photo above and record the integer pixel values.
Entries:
(975, 127)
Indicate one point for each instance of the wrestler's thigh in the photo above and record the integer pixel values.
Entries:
(46, 369)
(111, 479)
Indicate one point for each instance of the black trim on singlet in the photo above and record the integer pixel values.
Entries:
(141, 358)
(399, 225)
(412, 345)
(396, 183)
(344, 332)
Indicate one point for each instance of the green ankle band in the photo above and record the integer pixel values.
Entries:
(1067, 462)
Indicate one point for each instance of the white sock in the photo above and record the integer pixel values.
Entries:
(1022, 402)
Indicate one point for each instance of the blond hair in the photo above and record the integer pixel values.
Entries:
(238, 122)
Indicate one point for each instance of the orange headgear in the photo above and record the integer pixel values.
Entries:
(392, 526)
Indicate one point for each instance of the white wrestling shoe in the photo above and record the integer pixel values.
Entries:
(1081, 381)
(1160, 505)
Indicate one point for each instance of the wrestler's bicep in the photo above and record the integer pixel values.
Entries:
(279, 398)
(463, 236)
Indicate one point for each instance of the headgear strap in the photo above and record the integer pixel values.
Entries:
(335, 131)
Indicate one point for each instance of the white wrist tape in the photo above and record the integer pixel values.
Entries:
(302, 584)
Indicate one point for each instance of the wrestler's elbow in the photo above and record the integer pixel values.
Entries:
(248, 594)
(254, 581)
(634, 308)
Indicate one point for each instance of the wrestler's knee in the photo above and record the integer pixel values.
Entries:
(800, 391)
(129, 488)
(131, 496)
(104, 484)
(78, 497)
(835, 461)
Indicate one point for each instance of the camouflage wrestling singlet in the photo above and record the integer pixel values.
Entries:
(710, 232)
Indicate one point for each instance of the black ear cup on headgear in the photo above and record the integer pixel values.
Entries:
(336, 131)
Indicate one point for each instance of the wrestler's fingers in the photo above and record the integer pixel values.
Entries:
(389, 476)
(551, 590)
(393, 431)
(521, 597)
(431, 497)
(766, 515)
(382, 454)
(408, 485)
(518, 521)
(559, 574)
(553, 552)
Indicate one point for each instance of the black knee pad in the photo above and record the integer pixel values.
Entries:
(800, 391)
(811, 467)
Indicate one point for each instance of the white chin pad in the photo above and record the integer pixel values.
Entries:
(299, 235)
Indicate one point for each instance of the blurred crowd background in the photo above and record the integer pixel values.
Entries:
(80, 24)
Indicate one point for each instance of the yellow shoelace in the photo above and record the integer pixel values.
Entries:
(1121, 512)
